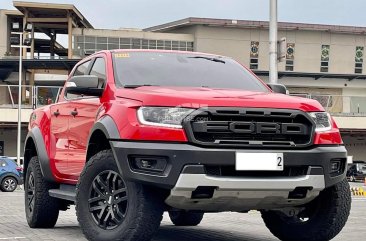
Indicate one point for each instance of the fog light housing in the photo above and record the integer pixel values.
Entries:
(150, 164)
(337, 166)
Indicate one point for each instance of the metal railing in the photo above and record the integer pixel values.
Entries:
(36, 96)
(32, 96)
(340, 104)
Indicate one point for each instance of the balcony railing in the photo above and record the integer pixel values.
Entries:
(340, 104)
(32, 96)
(36, 96)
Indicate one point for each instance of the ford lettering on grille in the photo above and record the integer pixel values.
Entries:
(268, 128)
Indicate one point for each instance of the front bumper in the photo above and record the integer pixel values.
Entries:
(179, 155)
(185, 175)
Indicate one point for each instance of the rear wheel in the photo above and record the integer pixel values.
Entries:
(41, 210)
(320, 220)
(109, 208)
(9, 184)
(186, 218)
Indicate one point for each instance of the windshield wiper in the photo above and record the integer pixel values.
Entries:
(208, 58)
(136, 86)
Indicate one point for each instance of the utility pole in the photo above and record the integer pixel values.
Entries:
(21, 46)
(20, 97)
(273, 72)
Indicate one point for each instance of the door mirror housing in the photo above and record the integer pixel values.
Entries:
(88, 85)
(278, 88)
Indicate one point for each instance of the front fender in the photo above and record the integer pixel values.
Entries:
(35, 135)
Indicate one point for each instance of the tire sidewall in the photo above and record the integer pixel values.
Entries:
(82, 205)
(28, 214)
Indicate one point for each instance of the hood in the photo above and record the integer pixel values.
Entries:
(197, 97)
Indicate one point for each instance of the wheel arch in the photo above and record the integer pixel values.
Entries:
(9, 174)
(35, 146)
(102, 131)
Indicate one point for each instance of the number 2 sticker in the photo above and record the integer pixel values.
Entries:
(280, 161)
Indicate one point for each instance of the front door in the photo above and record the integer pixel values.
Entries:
(84, 114)
(79, 129)
(59, 130)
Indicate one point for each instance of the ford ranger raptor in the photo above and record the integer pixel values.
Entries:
(136, 133)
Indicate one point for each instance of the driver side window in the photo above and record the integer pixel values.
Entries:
(80, 70)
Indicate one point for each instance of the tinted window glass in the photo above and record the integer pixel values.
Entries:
(98, 70)
(80, 70)
(187, 70)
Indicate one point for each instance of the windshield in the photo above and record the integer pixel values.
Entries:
(134, 69)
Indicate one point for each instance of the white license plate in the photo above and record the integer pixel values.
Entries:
(259, 161)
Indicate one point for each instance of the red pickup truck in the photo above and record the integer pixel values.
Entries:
(135, 133)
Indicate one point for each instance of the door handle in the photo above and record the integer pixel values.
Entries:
(74, 113)
(56, 113)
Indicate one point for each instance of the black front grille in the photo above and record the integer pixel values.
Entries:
(229, 171)
(249, 128)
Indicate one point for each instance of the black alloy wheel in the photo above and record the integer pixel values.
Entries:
(108, 200)
(30, 193)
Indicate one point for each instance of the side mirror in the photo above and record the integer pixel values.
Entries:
(278, 88)
(88, 85)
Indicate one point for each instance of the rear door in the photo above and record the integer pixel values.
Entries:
(60, 117)
(80, 124)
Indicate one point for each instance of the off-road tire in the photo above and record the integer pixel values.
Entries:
(332, 208)
(144, 207)
(186, 218)
(5, 184)
(44, 213)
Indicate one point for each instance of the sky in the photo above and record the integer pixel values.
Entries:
(112, 14)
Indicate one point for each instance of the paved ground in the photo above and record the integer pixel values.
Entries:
(218, 227)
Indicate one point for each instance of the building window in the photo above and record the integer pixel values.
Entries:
(358, 60)
(290, 56)
(254, 52)
(86, 45)
(324, 64)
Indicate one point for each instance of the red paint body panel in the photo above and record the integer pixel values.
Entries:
(66, 136)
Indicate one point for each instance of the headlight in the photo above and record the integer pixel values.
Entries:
(163, 116)
(322, 121)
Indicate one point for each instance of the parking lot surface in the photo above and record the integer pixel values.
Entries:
(219, 227)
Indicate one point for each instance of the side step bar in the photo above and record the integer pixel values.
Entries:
(66, 192)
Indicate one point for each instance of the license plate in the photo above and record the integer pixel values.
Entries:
(259, 161)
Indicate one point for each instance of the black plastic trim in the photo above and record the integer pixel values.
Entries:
(107, 125)
(65, 192)
(36, 135)
(248, 112)
(181, 155)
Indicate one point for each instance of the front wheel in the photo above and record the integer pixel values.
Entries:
(320, 220)
(110, 208)
(9, 184)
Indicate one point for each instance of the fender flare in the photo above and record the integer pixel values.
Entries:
(107, 125)
(44, 161)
